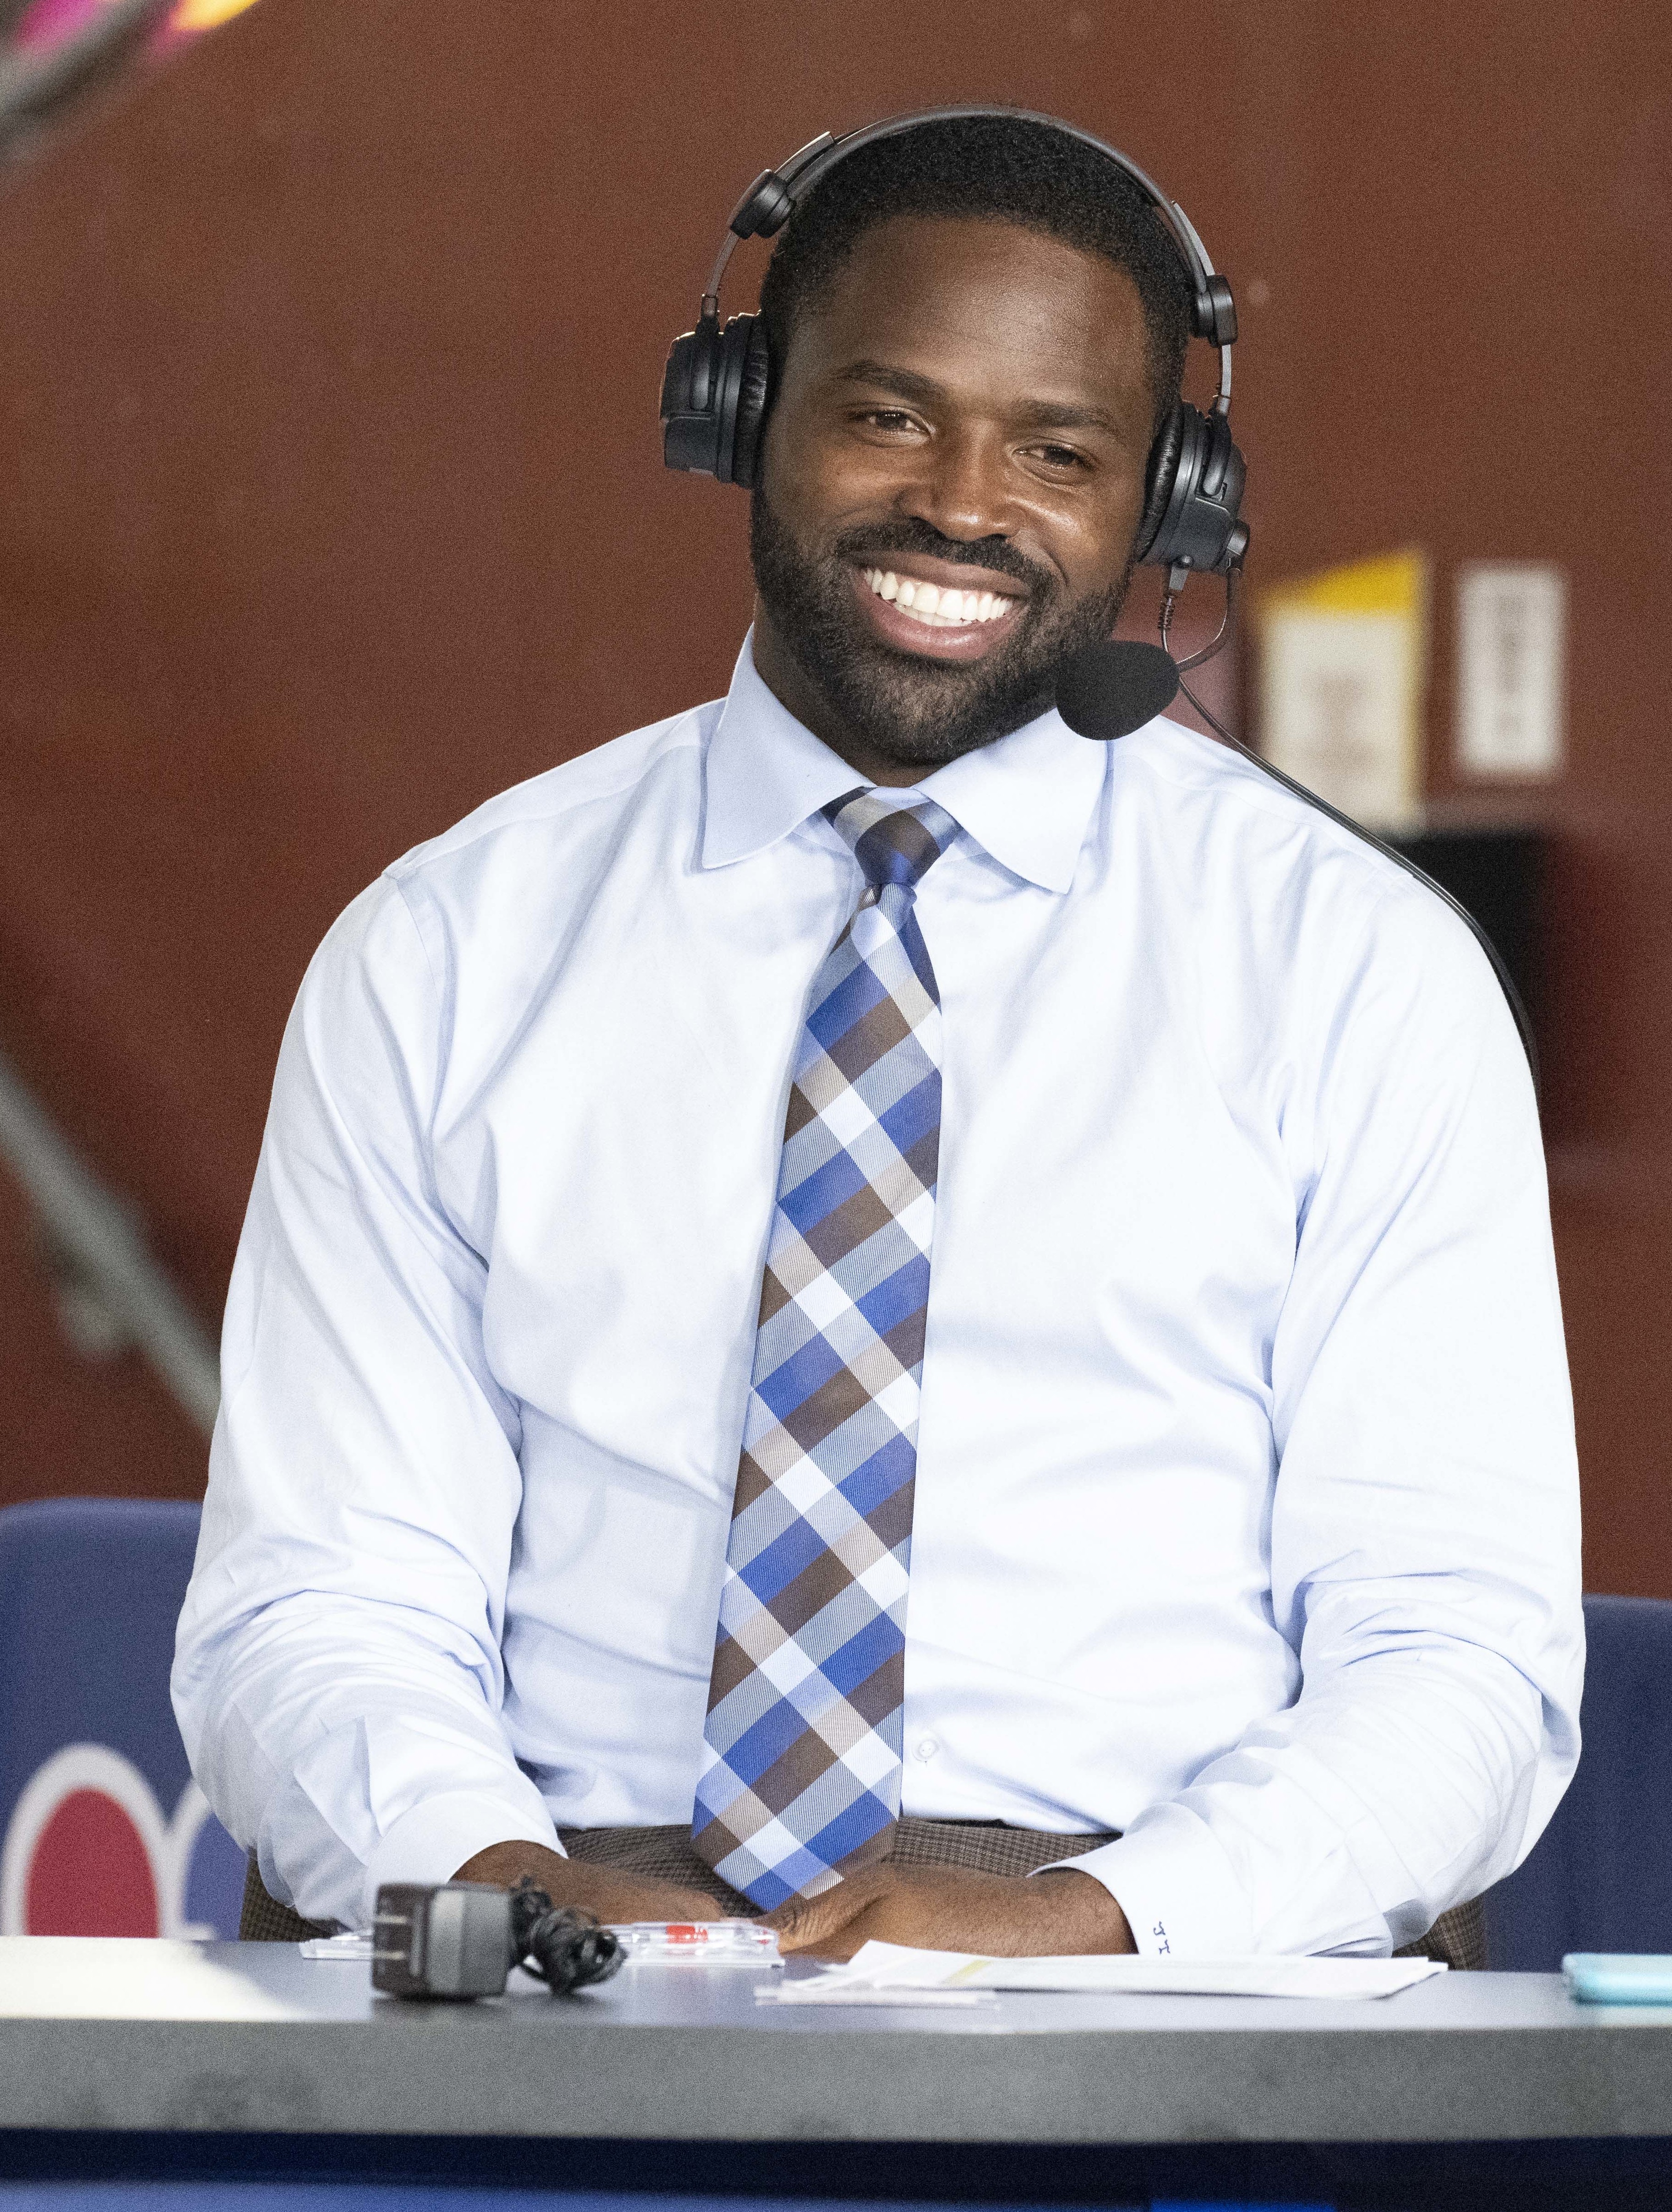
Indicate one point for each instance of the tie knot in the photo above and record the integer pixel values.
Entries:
(892, 844)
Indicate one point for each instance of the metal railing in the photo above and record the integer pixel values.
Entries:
(111, 1291)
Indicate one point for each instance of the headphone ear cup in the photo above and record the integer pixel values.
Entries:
(1195, 488)
(1163, 474)
(754, 396)
(689, 425)
(714, 393)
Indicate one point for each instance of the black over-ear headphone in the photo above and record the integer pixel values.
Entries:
(718, 384)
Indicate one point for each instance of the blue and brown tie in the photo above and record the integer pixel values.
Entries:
(800, 1781)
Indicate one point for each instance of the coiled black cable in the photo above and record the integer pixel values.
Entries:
(559, 1945)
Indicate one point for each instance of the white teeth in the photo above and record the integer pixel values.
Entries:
(941, 608)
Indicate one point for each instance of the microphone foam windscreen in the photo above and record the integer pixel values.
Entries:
(1113, 689)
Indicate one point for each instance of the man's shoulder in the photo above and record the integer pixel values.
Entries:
(1315, 901)
(1208, 783)
(582, 798)
(508, 869)
(1219, 804)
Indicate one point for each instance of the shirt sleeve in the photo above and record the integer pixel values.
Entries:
(1424, 1532)
(338, 1677)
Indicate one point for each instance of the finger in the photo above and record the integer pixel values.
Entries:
(838, 1945)
(805, 1924)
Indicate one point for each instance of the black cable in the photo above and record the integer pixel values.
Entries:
(1215, 643)
(1506, 981)
(559, 1945)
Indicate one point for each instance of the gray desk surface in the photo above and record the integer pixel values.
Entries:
(686, 2053)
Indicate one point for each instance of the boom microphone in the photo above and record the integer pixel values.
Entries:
(1111, 689)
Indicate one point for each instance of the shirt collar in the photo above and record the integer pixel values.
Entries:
(1026, 799)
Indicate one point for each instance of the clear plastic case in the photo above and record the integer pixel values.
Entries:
(698, 1943)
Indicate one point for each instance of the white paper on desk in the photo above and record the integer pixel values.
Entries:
(826, 1992)
(892, 1965)
(123, 1978)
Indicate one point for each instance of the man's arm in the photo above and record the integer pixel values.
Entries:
(600, 1890)
(1424, 1536)
(951, 1909)
(338, 1679)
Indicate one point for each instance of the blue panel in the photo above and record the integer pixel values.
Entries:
(90, 1589)
(1600, 1879)
(358, 2197)
(214, 1881)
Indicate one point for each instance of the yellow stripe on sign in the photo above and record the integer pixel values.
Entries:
(1387, 584)
(206, 14)
(966, 1973)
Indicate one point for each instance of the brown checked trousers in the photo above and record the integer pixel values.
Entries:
(987, 1847)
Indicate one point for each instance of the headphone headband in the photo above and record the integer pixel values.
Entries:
(773, 197)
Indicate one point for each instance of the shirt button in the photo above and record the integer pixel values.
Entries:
(927, 1747)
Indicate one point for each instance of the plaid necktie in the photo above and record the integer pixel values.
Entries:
(801, 1774)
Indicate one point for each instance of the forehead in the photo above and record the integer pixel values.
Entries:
(954, 297)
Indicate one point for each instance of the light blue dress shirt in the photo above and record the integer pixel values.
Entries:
(1246, 1515)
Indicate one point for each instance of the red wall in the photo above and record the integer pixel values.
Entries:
(331, 504)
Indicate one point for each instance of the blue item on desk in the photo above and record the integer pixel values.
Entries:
(1600, 1878)
(104, 1832)
(1619, 1977)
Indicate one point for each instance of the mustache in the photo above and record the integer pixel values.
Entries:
(861, 548)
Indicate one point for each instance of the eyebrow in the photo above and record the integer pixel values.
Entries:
(1037, 414)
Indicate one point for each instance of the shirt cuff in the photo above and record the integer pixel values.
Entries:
(432, 1841)
(1175, 1885)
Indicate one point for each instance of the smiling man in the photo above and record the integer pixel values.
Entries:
(857, 1308)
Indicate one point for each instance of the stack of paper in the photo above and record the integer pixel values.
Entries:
(890, 1973)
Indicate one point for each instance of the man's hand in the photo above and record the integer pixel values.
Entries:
(603, 1890)
(950, 1909)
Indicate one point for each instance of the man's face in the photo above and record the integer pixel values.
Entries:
(952, 480)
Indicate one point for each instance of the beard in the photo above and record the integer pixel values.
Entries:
(917, 711)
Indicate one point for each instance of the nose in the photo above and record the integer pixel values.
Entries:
(960, 487)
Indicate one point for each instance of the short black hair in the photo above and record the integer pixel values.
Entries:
(1006, 168)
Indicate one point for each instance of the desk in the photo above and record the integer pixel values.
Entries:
(685, 2056)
